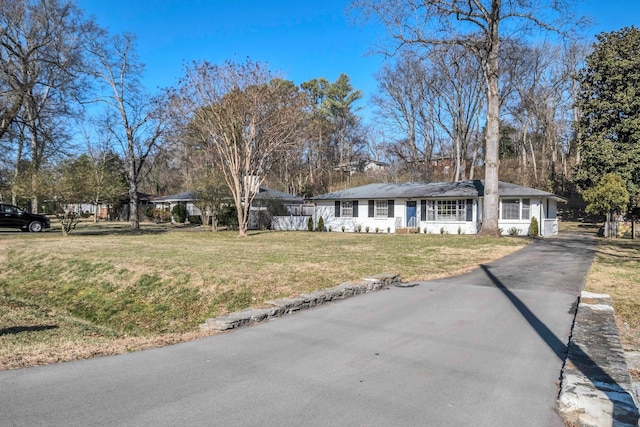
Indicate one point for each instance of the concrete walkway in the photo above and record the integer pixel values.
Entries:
(482, 349)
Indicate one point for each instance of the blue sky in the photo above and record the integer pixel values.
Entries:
(299, 39)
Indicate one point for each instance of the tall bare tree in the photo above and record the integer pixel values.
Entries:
(479, 27)
(242, 116)
(105, 178)
(540, 107)
(459, 92)
(405, 110)
(41, 63)
(135, 119)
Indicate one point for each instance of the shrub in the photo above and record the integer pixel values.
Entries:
(377, 229)
(263, 220)
(310, 224)
(366, 229)
(359, 228)
(442, 230)
(148, 212)
(320, 224)
(533, 227)
(161, 215)
(459, 230)
(342, 228)
(228, 216)
(195, 219)
(513, 231)
(179, 213)
(388, 230)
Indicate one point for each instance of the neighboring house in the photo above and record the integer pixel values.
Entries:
(261, 202)
(122, 212)
(108, 211)
(361, 166)
(436, 207)
(186, 198)
(374, 165)
(295, 209)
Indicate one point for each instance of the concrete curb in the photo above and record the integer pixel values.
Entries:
(596, 387)
(284, 306)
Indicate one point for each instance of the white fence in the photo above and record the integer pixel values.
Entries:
(290, 223)
(550, 227)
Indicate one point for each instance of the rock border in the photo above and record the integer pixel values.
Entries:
(285, 306)
(596, 387)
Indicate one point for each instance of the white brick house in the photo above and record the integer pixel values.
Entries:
(436, 207)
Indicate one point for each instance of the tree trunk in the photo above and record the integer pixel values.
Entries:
(491, 204)
(458, 159)
(133, 189)
(133, 206)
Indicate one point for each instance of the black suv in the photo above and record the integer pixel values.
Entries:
(14, 217)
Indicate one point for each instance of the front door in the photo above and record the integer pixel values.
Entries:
(412, 214)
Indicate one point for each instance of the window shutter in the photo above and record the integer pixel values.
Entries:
(423, 210)
(390, 207)
(372, 208)
(469, 210)
(355, 208)
(337, 211)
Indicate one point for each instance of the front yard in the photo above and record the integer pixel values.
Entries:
(103, 290)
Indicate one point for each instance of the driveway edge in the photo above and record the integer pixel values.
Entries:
(284, 306)
(596, 387)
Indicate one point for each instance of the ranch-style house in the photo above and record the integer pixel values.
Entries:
(436, 208)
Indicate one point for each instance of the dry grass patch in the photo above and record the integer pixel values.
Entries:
(615, 271)
(100, 291)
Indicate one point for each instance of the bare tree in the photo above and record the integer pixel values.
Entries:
(540, 106)
(478, 26)
(458, 90)
(105, 176)
(135, 119)
(242, 116)
(41, 63)
(405, 109)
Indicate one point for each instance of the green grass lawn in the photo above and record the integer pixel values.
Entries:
(616, 271)
(104, 290)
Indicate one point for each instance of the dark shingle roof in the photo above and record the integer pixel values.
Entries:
(263, 194)
(185, 196)
(459, 189)
(270, 194)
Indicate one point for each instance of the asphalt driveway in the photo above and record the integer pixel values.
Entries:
(482, 349)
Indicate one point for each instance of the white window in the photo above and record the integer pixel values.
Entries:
(511, 209)
(451, 210)
(526, 209)
(516, 209)
(346, 210)
(381, 208)
(431, 210)
(447, 210)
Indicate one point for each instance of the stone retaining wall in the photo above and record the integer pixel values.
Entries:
(596, 386)
(284, 306)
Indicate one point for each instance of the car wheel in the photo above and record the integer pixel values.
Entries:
(35, 226)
